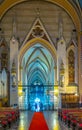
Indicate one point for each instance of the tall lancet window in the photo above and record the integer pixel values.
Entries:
(71, 68)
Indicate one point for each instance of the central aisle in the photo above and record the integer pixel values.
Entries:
(38, 122)
(26, 118)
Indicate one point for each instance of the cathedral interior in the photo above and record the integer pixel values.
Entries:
(41, 58)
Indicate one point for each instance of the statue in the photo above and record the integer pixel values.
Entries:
(13, 72)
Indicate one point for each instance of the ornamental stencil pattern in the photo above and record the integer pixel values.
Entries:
(71, 61)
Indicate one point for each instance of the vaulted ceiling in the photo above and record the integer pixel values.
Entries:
(68, 5)
(37, 65)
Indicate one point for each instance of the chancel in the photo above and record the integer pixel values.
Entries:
(40, 64)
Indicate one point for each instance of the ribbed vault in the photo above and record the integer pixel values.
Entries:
(37, 65)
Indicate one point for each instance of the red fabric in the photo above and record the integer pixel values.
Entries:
(13, 112)
(38, 122)
(80, 125)
(64, 117)
(74, 121)
(4, 122)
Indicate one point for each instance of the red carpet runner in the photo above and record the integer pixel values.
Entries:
(38, 122)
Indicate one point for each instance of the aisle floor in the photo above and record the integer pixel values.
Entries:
(26, 117)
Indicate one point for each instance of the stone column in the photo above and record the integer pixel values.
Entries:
(13, 58)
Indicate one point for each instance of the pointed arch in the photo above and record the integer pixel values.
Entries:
(32, 42)
(65, 5)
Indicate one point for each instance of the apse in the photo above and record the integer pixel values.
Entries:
(37, 78)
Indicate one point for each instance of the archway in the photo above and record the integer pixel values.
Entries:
(65, 4)
(36, 91)
(29, 44)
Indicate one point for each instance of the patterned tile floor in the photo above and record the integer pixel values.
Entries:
(26, 117)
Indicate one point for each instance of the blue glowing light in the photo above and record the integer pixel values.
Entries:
(37, 100)
(37, 104)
